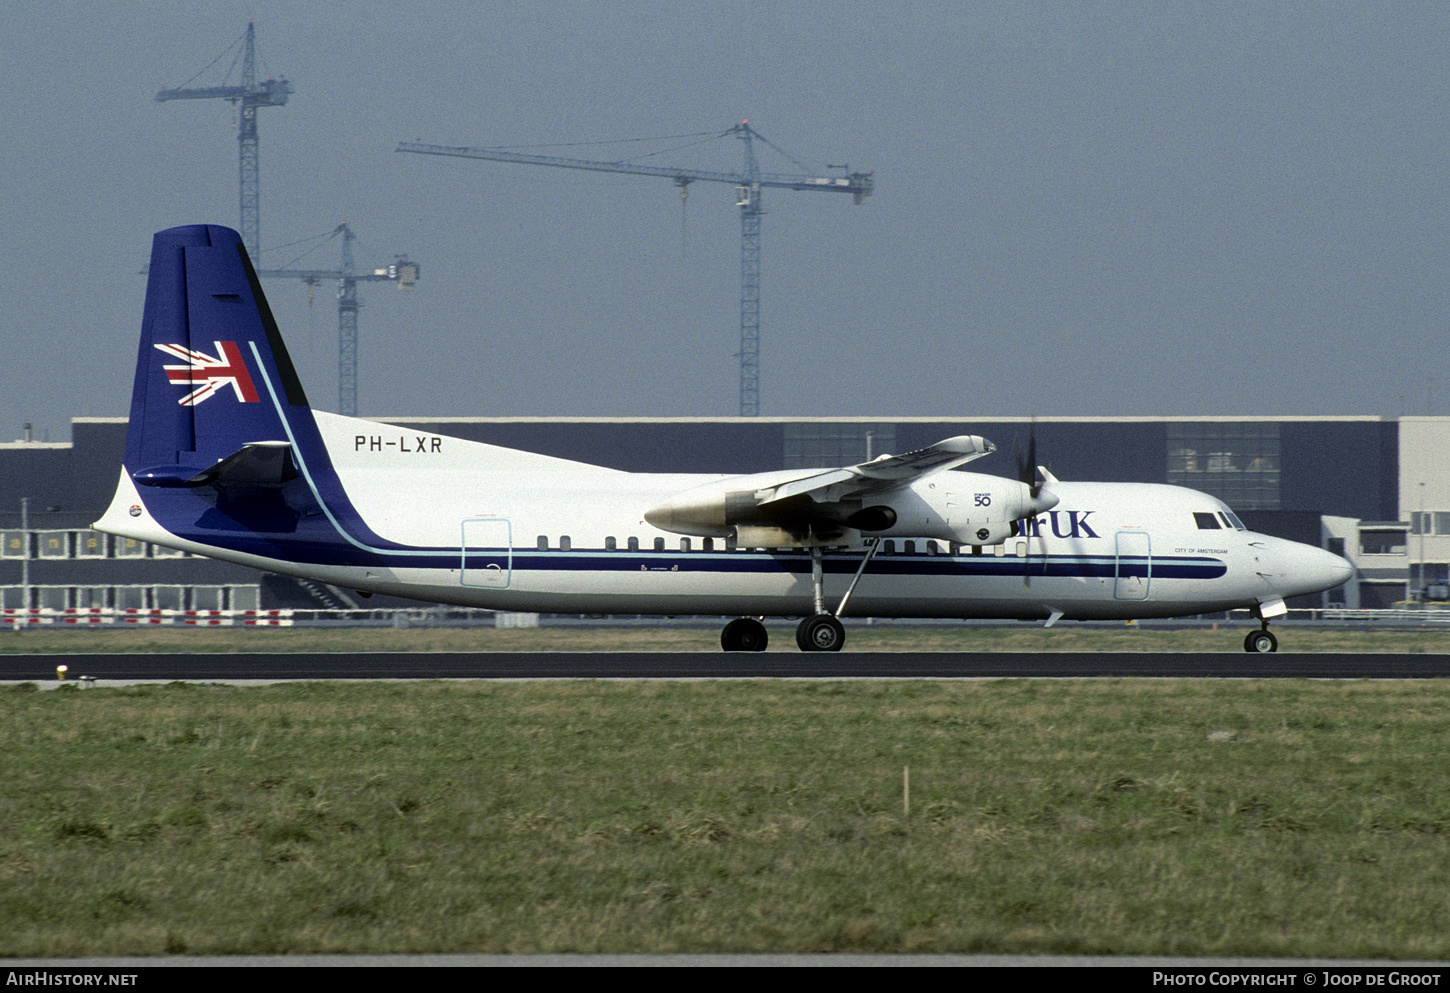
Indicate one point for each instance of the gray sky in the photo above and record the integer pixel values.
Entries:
(1120, 208)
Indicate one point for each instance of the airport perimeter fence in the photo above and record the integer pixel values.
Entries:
(14, 618)
(463, 617)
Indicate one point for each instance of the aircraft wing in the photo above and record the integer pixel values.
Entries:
(884, 473)
(778, 508)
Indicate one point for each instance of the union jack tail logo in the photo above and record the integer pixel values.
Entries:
(209, 374)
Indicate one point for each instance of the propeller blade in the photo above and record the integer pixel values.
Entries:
(1027, 468)
(1030, 474)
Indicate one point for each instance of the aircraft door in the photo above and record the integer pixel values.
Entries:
(487, 553)
(1134, 567)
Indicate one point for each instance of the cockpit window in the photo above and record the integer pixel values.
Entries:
(1231, 519)
(1207, 522)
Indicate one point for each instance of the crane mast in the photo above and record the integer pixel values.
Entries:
(247, 97)
(748, 182)
(403, 272)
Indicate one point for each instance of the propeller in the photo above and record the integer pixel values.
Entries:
(1027, 470)
(1029, 474)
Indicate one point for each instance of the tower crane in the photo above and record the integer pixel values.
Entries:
(250, 95)
(748, 183)
(402, 271)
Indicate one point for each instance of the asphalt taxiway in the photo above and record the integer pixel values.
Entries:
(701, 665)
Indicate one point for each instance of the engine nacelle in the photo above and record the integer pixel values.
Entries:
(716, 508)
(965, 508)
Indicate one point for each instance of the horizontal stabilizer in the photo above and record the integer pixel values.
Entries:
(259, 463)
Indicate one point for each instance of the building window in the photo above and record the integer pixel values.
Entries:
(820, 445)
(1236, 462)
(1382, 542)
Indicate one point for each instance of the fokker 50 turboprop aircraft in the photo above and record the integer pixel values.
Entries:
(225, 458)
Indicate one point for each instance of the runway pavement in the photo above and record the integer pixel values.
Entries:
(699, 665)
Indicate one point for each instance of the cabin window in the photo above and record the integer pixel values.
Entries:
(610, 544)
(709, 545)
(888, 547)
(659, 544)
(634, 544)
(1206, 521)
(564, 543)
(543, 543)
(684, 544)
(908, 548)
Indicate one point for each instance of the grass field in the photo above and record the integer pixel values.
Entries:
(1182, 817)
(860, 638)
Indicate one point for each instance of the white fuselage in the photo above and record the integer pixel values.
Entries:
(472, 524)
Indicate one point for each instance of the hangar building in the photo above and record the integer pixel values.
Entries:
(1374, 489)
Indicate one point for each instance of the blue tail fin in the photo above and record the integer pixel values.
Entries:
(212, 375)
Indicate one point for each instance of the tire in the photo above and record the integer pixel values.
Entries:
(820, 633)
(744, 634)
(1261, 642)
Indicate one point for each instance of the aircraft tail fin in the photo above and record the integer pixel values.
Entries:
(212, 375)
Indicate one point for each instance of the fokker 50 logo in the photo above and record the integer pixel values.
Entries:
(209, 374)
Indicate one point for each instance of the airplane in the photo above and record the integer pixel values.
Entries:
(225, 458)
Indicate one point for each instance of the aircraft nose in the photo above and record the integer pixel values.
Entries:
(1313, 570)
(1338, 569)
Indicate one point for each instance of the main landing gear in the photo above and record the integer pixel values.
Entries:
(816, 633)
(819, 632)
(744, 634)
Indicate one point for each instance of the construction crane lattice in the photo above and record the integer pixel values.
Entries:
(249, 96)
(403, 271)
(749, 183)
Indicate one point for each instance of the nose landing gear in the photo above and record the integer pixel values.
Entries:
(1261, 641)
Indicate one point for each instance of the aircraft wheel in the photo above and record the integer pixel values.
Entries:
(1261, 642)
(820, 633)
(744, 634)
